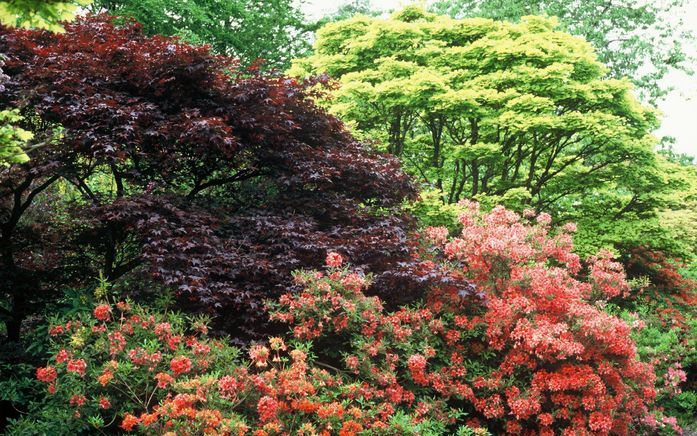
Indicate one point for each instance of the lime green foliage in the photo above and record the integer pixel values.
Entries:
(659, 211)
(43, 14)
(515, 113)
(639, 39)
(12, 139)
(680, 215)
(682, 224)
(272, 30)
(431, 211)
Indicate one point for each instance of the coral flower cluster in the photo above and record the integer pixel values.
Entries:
(539, 357)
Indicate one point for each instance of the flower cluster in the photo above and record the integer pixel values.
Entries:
(607, 276)
(102, 312)
(674, 377)
(540, 357)
(144, 373)
(125, 358)
(180, 365)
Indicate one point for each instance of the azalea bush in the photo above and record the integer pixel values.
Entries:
(662, 309)
(119, 358)
(124, 368)
(669, 286)
(663, 312)
(672, 350)
(541, 356)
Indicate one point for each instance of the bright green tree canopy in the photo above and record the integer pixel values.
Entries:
(513, 105)
(12, 139)
(520, 113)
(638, 39)
(44, 14)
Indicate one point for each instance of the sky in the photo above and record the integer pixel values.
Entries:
(679, 108)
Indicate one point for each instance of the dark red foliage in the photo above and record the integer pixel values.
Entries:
(662, 272)
(221, 182)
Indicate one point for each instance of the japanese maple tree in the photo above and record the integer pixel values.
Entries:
(186, 173)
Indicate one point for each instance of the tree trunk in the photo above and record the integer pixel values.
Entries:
(13, 287)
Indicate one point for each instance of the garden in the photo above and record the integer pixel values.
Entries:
(447, 218)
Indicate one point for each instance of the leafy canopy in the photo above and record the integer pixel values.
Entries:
(43, 14)
(12, 139)
(272, 30)
(641, 40)
(27, 13)
(513, 113)
(176, 172)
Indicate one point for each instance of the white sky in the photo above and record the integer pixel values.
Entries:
(679, 107)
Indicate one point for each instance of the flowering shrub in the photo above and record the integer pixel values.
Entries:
(540, 357)
(665, 310)
(126, 369)
(672, 350)
(674, 293)
(123, 358)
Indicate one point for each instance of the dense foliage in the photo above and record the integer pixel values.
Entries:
(176, 227)
(45, 14)
(26, 13)
(124, 368)
(519, 114)
(12, 139)
(269, 33)
(541, 357)
(182, 172)
(483, 107)
(641, 40)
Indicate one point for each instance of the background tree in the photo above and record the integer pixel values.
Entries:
(682, 202)
(12, 139)
(348, 9)
(642, 40)
(513, 113)
(272, 30)
(650, 214)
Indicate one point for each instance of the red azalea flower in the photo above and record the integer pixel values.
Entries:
(163, 379)
(102, 312)
(267, 408)
(129, 421)
(180, 365)
(104, 403)
(47, 374)
(78, 365)
(105, 378)
(62, 356)
(334, 260)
